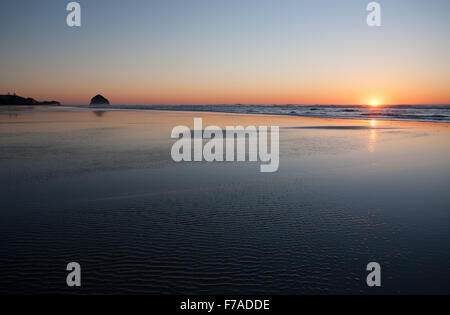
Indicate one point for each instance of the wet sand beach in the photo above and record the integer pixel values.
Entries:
(99, 187)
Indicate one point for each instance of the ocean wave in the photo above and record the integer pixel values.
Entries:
(426, 113)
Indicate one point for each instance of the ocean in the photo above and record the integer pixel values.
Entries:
(425, 113)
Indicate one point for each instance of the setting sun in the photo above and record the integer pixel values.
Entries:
(374, 103)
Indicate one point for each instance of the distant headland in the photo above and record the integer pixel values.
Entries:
(13, 99)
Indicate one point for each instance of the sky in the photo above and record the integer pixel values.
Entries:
(227, 52)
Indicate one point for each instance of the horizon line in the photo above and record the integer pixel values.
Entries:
(263, 104)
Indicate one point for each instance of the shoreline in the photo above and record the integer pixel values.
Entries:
(182, 108)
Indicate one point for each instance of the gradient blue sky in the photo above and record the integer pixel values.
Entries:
(233, 51)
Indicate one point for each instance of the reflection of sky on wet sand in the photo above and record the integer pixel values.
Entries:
(347, 192)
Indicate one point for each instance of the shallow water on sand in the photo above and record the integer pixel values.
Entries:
(101, 189)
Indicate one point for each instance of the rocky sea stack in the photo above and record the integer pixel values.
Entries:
(99, 100)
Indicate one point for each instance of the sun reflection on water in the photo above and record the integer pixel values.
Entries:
(372, 136)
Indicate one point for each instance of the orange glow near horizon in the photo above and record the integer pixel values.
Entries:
(232, 89)
(165, 93)
(168, 93)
